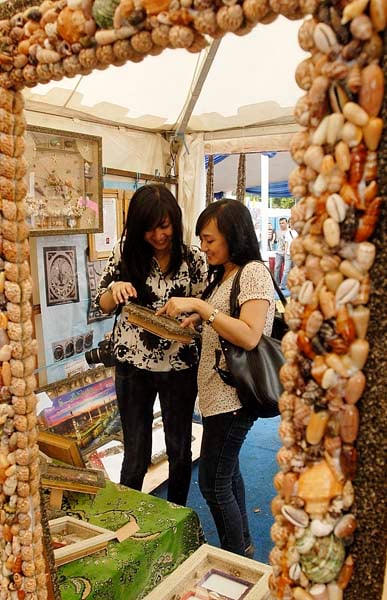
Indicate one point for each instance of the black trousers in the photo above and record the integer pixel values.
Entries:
(136, 393)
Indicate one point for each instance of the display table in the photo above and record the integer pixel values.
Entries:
(129, 570)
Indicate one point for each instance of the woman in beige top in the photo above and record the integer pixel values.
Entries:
(228, 238)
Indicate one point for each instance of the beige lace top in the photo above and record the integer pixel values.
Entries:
(215, 396)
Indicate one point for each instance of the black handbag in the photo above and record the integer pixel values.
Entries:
(254, 373)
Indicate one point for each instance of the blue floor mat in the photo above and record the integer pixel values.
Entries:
(258, 466)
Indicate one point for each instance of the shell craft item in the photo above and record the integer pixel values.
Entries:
(162, 326)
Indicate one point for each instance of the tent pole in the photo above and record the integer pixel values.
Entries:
(265, 204)
(198, 85)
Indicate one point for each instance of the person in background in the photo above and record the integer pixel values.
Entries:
(270, 237)
(290, 235)
(228, 238)
(280, 250)
(149, 265)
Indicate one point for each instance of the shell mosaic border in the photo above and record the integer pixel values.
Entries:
(329, 502)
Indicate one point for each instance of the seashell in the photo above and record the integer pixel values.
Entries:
(330, 377)
(358, 352)
(353, 9)
(255, 10)
(230, 18)
(348, 269)
(361, 27)
(276, 505)
(286, 432)
(289, 346)
(360, 316)
(295, 572)
(325, 39)
(342, 155)
(327, 164)
(354, 387)
(351, 134)
(334, 361)
(355, 114)
(349, 423)
(354, 78)
(338, 98)
(306, 292)
(348, 494)
(327, 303)
(305, 542)
(345, 526)
(316, 427)
(300, 594)
(372, 89)
(317, 485)
(378, 13)
(320, 185)
(284, 457)
(313, 157)
(336, 207)
(331, 232)
(348, 461)
(319, 592)
(296, 516)
(318, 368)
(325, 564)
(319, 136)
(335, 126)
(305, 34)
(321, 527)
(313, 323)
(347, 291)
(345, 573)
(332, 280)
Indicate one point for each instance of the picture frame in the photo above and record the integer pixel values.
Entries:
(64, 181)
(90, 538)
(102, 243)
(61, 448)
(186, 582)
(61, 478)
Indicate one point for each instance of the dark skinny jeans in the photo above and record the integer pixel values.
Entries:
(220, 479)
(136, 393)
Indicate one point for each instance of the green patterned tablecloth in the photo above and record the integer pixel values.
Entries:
(129, 570)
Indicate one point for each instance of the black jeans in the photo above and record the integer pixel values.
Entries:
(136, 393)
(220, 479)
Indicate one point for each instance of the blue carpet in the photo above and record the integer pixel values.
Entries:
(258, 466)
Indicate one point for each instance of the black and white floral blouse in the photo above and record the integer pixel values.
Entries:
(141, 348)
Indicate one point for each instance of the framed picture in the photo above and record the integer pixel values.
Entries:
(94, 270)
(64, 182)
(128, 195)
(101, 244)
(60, 268)
(213, 572)
(61, 448)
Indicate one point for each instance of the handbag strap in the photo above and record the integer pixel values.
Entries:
(234, 305)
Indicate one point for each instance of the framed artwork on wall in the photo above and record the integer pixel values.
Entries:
(101, 244)
(94, 270)
(64, 182)
(60, 267)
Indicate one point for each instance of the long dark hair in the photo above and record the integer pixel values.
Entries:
(148, 208)
(234, 222)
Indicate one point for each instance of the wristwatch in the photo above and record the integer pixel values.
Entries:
(212, 316)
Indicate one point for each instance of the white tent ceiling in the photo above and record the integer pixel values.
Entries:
(251, 81)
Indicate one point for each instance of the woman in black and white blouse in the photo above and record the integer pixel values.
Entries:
(150, 264)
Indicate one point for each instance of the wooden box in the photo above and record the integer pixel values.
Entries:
(191, 580)
(79, 538)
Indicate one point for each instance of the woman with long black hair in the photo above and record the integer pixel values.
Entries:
(149, 265)
(228, 238)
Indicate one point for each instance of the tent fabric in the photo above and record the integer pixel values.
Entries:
(239, 91)
(217, 159)
(191, 183)
(121, 149)
(278, 189)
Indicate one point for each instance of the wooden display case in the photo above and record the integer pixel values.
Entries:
(72, 539)
(64, 181)
(212, 570)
